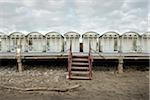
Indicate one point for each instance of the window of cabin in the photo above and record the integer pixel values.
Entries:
(115, 44)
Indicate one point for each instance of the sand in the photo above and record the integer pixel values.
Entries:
(105, 85)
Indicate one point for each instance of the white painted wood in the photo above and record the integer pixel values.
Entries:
(54, 42)
(145, 42)
(74, 37)
(92, 38)
(16, 39)
(110, 42)
(37, 42)
(130, 42)
(4, 42)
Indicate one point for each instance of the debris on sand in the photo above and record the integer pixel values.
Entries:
(43, 88)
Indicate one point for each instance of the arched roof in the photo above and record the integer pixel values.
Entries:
(34, 33)
(53, 33)
(146, 35)
(130, 33)
(16, 33)
(90, 33)
(110, 33)
(3, 35)
(72, 33)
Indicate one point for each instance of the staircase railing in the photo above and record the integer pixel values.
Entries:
(90, 60)
(70, 59)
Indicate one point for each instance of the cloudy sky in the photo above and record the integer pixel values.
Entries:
(74, 15)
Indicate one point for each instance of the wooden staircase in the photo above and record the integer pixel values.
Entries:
(79, 66)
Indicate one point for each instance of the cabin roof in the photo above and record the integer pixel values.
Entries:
(90, 33)
(16, 33)
(1, 33)
(130, 33)
(35, 33)
(110, 33)
(53, 33)
(71, 33)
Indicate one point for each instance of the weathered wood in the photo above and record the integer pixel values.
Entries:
(18, 57)
(120, 65)
(43, 88)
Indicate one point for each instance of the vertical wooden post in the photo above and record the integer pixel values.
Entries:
(19, 63)
(120, 65)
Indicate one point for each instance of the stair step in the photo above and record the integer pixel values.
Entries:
(78, 63)
(81, 68)
(80, 72)
(80, 77)
(79, 59)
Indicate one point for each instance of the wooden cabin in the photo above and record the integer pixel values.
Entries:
(36, 42)
(4, 42)
(145, 42)
(17, 40)
(130, 42)
(54, 42)
(72, 38)
(109, 42)
(92, 39)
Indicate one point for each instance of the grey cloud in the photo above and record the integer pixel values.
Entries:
(77, 15)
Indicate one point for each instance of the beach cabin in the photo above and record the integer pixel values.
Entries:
(36, 42)
(54, 42)
(72, 38)
(4, 42)
(92, 39)
(109, 42)
(17, 40)
(145, 42)
(130, 42)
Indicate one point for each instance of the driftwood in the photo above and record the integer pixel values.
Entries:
(42, 88)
